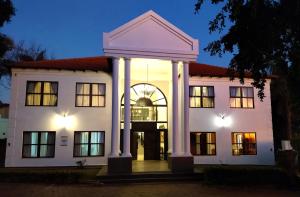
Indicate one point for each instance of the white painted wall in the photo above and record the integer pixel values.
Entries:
(29, 118)
(257, 120)
(26, 118)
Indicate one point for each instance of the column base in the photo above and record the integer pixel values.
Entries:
(119, 165)
(184, 164)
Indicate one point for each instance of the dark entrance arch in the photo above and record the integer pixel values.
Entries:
(149, 123)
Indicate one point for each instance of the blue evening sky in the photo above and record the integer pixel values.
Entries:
(73, 28)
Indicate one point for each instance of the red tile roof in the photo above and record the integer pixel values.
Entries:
(197, 69)
(87, 63)
(104, 64)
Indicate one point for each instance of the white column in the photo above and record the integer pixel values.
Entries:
(126, 134)
(186, 109)
(115, 109)
(175, 134)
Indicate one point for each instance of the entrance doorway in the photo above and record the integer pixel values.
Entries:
(149, 128)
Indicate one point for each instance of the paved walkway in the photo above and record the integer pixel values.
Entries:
(132, 190)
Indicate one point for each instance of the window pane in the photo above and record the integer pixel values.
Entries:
(235, 92)
(81, 150)
(97, 137)
(195, 91)
(79, 88)
(49, 100)
(47, 87)
(83, 101)
(208, 102)
(245, 102)
(33, 99)
(97, 149)
(30, 138)
(81, 137)
(34, 87)
(47, 150)
(162, 114)
(97, 101)
(204, 91)
(250, 103)
(250, 92)
(245, 92)
(30, 150)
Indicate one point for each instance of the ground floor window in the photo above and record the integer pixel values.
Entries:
(243, 143)
(38, 144)
(88, 143)
(203, 143)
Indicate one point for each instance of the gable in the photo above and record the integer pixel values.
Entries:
(150, 35)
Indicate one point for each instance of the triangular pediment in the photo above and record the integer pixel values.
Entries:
(150, 35)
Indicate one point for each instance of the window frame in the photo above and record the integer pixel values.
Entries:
(90, 94)
(232, 135)
(195, 132)
(241, 97)
(201, 96)
(89, 144)
(39, 144)
(41, 94)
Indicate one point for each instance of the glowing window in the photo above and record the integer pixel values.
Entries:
(243, 143)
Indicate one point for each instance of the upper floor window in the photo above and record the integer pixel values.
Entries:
(90, 94)
(203, 143)
(202, 96)
(38, 144)
(88, 143)
(241, 97)
(243, 143)
(41, 93)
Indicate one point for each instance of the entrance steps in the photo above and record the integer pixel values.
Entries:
(142, 177)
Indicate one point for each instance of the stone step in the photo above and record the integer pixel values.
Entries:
(149, 177)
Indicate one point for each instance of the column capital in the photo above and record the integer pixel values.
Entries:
(127, 58)
(185, 62)
(174, 61)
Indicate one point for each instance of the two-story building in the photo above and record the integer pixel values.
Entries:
(145, 99)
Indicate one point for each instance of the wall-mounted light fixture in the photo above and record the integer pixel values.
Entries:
(221, 120)
(64, 121)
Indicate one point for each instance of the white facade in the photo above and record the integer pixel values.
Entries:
(162, 57)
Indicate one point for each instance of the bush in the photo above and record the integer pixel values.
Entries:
(235, 175)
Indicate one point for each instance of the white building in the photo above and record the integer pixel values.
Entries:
(145, 99)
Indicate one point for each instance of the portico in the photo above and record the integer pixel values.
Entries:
(152, 41)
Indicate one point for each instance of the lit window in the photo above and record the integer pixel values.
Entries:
(88, 143)
(38, 144)
(202, 96)
(241, 97)
(90, 95)
(203, 143)
(243, 143)
(41, 93)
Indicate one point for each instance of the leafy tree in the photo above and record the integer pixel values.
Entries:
(7, 10)
(265, 39)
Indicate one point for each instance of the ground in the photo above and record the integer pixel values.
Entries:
(145, 189)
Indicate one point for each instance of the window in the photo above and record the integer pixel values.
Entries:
(241, 97)
(90, 95)
(38, 144)
(88, 143)
(41, 93)
(203, 143)
(202, 96)
(243, 143)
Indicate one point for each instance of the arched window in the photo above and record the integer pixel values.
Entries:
(148, 103)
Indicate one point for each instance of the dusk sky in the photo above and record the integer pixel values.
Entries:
(73, 28)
